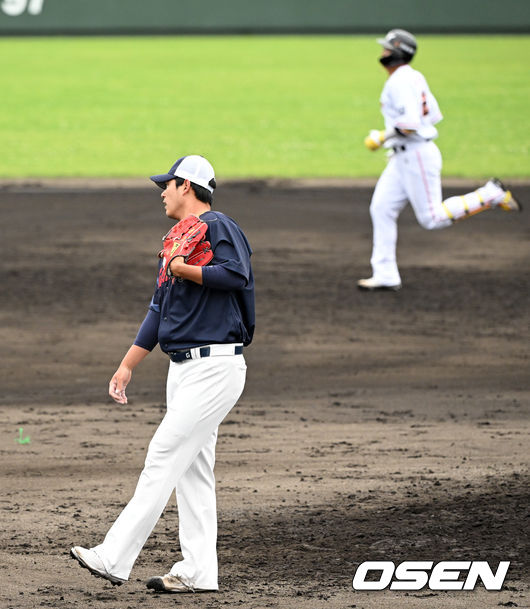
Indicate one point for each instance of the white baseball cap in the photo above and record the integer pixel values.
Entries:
(194, 168)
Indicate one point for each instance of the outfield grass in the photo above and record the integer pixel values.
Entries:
(255, 106)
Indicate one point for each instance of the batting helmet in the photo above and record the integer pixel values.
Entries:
(402, 45)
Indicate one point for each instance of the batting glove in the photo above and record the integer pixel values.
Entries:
(374, 139)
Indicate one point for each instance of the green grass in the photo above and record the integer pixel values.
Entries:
(255, 106)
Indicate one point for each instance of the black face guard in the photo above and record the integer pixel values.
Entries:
(394, 60)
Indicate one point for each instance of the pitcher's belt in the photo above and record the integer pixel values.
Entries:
(183, 355)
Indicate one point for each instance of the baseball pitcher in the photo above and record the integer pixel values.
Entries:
(201, 315)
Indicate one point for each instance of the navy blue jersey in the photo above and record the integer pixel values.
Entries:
(221, 310)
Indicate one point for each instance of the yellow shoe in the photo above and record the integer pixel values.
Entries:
(508, 202)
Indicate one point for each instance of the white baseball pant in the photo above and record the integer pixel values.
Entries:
(412, 175)
(181, 458)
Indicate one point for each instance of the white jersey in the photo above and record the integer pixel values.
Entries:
(407, 103)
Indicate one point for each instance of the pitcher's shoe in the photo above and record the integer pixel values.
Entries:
(504, 199)
(90, 560)
(172, 583)
(371, 285)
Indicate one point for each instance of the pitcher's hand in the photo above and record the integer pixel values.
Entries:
(118, 383)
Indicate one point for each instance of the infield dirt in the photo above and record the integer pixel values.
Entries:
(374, 426)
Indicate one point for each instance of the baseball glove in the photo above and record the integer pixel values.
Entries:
(185, 239)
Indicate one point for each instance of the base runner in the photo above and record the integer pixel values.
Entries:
(413, 172)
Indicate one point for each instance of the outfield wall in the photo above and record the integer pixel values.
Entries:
(261, 16)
